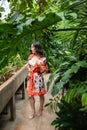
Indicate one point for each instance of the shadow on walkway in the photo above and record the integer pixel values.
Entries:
(22, 121)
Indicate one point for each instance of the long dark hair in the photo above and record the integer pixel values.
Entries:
(38, 48)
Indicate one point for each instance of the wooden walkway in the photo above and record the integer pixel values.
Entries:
(22, 121)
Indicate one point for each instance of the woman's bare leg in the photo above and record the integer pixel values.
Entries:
(41, 105)
(32, 104)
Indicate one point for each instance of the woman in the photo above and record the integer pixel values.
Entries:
(35, 86)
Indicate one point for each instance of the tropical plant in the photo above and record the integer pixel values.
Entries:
(61, 26)
(25, 23)
(10, 69)
(70, 117)
(72, 71)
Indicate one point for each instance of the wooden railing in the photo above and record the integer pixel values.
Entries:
(10, 87)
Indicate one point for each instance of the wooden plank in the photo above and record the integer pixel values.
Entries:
(5, 95)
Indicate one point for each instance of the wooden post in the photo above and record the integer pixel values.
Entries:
(12, 108)
(23, 90)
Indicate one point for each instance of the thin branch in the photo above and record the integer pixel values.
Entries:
(68, 29)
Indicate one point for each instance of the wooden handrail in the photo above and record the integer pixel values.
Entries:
(10, 87)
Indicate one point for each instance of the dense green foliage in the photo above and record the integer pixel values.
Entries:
(61, 27)
(14, 63)
(24, 25)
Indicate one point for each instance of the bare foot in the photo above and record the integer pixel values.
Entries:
(39, 113)
(32, 116)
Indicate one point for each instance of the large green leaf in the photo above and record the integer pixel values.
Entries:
(57, 87)
(50, 19)
(84, 109)
(52, 79)
(84, 99)
(67, 75)
(75, 68)
(82, 64)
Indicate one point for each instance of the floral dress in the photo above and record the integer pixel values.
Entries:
(35, 84)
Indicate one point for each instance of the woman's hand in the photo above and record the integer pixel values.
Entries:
(43, 67)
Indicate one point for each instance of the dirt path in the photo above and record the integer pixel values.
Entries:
(22, 121)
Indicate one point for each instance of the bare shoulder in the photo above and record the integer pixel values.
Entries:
(30, 56)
